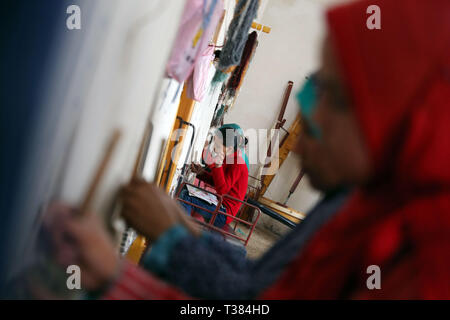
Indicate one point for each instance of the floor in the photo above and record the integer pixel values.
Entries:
(262, 239)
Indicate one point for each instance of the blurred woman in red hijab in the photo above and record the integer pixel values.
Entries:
(383, 111)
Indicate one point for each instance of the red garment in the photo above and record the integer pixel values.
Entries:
(399, 81)
(136, 284)
(231, 179)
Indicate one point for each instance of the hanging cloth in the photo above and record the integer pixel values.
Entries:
(198, 80)
(198, 23)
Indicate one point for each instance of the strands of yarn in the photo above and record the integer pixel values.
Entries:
(237, 35)
(219, 77)
(238, 74)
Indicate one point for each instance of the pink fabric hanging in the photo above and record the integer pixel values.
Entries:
(198, 81)
(191, 40)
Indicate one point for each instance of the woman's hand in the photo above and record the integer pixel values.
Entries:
(195, 168)
(218, 153)
(82, 241)
(150, 211)
(98, 258)
(218, 160)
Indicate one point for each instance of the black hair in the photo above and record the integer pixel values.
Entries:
(231, 138)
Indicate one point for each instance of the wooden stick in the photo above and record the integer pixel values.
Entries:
(142, 153)
(273, 205)
(280, 119)
(294, 186)
(89, 197)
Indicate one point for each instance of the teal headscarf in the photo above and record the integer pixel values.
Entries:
(241, 142)
(307, 99)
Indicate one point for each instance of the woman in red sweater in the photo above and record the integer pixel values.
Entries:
(228, 174)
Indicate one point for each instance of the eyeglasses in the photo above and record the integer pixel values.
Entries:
(307, 98)
(314, 90)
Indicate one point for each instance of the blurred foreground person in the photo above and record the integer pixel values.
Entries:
(383, 117)
(202, 263)
(382, 120)
(199, 263)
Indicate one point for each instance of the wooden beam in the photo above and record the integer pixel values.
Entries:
(218, 28)
(287, 145)
(279, 208)
(174, 149)
(185, 109)
(136, 250)
(290, 218)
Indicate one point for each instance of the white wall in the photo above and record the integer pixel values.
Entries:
(289, 52)
(124, 86)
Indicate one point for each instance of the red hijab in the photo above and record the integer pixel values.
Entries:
(399, 82)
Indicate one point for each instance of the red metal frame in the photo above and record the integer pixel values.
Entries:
(214, 213)
(257, 191)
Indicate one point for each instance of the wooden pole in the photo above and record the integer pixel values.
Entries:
(280, 121)
(285, 148)
(294, 186)
(86, 204)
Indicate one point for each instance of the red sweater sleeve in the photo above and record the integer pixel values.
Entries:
(206, 177)
(224, 181)
(137, 284)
